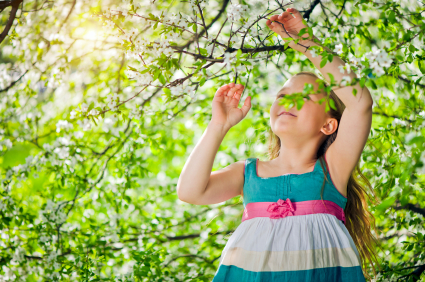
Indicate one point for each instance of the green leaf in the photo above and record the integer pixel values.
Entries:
(166, 91)
(391, 17)
(303, 31)
(238, 53)
(421, 65)
(202, 81)
(354, 91)
(331, 77)
(327, 107)
(374, 86)
(300, 103)
(412, 48)
(156, 74)
(91, 106)
(162, 79)
(386, 204)
(144, 71)
(310, 32)
(332, 103)
(362, 81)
(204, 52)
(324, 61)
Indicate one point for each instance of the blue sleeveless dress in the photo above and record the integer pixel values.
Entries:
(312, 247)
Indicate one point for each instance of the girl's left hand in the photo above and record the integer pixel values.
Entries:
(292, 24)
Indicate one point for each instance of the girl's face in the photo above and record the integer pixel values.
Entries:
(308, 121)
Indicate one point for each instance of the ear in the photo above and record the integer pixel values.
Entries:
(330, 126)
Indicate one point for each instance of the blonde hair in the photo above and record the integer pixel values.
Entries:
(359, 220)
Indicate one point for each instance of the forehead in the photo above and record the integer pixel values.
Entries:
(296, 84)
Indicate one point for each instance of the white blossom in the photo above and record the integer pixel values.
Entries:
(73, 114)
(85, 124)
(338, 49)
(62, 152)
(345, 80)
(313, 53)
(19, 254)
(236, 11)
(63, 124)
(78, 134)
(43, 239)
(84, 107)
(93, 112)
(177, 90)
(379, 71)
(229, 58)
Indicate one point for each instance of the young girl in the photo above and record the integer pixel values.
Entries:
(305, 215)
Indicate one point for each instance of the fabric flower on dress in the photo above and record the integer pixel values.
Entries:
(281, 209)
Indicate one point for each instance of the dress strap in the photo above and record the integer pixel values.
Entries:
(249, 167)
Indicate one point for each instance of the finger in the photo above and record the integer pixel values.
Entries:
(223, 90)
(235, 99)
(238, 89)
(231, 92)
(246, 106)
(285, 16)
(295, 12)
(238, 93)
(274, 17)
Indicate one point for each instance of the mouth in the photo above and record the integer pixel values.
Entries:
(286, 113)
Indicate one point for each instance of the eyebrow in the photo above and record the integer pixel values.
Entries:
(282, 90)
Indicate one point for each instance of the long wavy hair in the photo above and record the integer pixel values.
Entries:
(359, 220)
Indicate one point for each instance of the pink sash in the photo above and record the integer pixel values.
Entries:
(282, 209)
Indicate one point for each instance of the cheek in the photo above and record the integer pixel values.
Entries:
(273, 109)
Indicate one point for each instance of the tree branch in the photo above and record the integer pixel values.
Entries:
(15, 5)
(222, 9)
(13, 83)
(308, 12)
(411, 207)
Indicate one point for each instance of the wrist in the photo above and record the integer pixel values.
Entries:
(219, 128)
(304, 44)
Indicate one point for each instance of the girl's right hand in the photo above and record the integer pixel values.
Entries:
(225, 111)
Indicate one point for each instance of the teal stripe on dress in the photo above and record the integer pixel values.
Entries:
(232, 273)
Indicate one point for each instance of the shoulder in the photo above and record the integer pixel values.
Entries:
(236, 167)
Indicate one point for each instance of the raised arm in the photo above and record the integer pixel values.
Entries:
(354, 128)
(197, 184)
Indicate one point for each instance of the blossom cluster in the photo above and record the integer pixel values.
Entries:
(141, 79)
(63, 124)
(5, 144)
(378, 59)
(193, 6)
(236, 11)
(22, 170)
(52, 212)
(181, 89)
